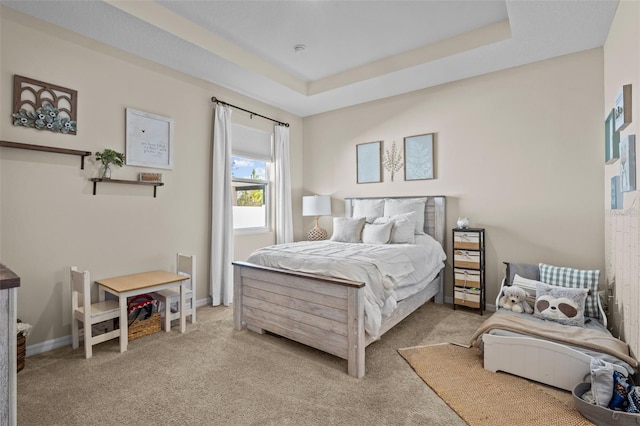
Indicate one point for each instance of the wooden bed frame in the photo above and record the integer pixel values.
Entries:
(323, 312)
(540, 360)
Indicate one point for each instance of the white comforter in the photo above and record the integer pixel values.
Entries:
(383, 268)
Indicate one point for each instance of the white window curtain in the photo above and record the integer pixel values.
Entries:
(284, 216)
(221, 210)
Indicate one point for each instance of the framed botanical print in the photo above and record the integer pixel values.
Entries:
(418, 157)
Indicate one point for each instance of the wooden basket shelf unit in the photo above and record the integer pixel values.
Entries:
(130, 182)
(31, 147)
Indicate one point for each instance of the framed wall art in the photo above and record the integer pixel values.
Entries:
(622, 110)
(149, 140)
(369, 162)
(616, 194)
(628, 163)
(418, 157)
(611, 140)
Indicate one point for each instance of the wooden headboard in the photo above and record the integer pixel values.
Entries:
(434, 213)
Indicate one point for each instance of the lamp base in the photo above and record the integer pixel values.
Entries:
(317, 234)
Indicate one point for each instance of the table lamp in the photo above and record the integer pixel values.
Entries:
(316, 205)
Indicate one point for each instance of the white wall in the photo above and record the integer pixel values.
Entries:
(51, 220)
(517, 151)
(622, 227)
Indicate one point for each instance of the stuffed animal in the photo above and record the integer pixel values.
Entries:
(514, 298)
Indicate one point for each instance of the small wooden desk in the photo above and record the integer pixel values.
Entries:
(135, 284)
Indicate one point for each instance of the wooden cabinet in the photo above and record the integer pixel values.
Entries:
(468, 268)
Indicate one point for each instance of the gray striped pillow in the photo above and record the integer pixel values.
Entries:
(574, 278)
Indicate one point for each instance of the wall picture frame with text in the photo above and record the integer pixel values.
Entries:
(149, 140)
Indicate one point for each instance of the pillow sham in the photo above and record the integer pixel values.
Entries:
(369, 209)
(574, 278)
(395, 206)
(560, 304)
(403, 228)
(347, 229)
(377, 233)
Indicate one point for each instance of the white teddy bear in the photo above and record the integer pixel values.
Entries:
(514, 298)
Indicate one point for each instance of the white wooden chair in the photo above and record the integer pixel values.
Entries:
(95, 313)
(186, 265)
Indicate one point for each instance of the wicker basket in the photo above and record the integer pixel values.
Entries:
(141, 328)
(22, 351)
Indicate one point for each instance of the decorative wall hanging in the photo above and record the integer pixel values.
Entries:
(418, 157)
(149, 140)
(622, 110)
(369, 162)
(392, 160)
(611, 140)
(628, 163)
(616, 194)
(44, 106)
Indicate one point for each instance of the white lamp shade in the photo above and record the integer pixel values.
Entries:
(316, 205)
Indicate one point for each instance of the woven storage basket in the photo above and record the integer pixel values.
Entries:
(22, 351)
(141, 328)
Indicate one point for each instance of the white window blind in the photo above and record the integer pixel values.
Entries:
(251, 143)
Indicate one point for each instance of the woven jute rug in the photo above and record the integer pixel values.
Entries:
(481, 397)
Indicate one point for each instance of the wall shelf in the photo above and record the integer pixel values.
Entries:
(31, 147)
(130, 182)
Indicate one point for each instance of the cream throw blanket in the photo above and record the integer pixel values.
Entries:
(574, 336)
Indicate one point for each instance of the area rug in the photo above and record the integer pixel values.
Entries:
(481, 397)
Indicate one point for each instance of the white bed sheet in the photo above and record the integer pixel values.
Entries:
(384, 268)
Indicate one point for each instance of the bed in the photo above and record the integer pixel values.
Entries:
(545, 351)
(327, 311)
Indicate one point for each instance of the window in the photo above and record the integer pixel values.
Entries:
(250, 164)
(250, 193)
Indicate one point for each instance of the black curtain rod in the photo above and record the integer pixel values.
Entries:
(218, 101)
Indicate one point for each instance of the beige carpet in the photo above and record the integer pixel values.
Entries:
(481, 397)
(214, 374)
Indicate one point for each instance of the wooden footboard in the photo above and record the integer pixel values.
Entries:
(322, 312)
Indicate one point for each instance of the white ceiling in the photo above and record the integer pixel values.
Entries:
(356, 51)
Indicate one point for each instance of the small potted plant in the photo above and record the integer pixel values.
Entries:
(107, 158)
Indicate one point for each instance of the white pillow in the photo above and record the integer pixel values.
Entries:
(369, 209)
(403, 228)
(395, 206)
(347, 229)
(377, 233)
(525, 283)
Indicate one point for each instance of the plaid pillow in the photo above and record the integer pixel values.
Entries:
(574, 278)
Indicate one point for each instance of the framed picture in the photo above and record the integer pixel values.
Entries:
(369, 162)
(616, 194)
(622, 110)
(149, 140)
(628, 163)
(418, 157)
(611, 140)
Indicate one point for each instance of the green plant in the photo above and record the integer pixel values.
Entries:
(109, 156)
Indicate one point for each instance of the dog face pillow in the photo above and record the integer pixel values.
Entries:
(514, 299)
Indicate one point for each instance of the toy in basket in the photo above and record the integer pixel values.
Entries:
(144, 318)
